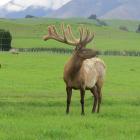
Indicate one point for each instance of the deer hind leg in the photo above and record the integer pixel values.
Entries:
(95, 94)
(82, 93)
(99, 86)
(69, 94)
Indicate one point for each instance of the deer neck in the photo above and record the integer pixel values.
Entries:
(75, 66)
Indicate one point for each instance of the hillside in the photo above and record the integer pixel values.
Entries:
(74, 8)
(129, 10)
(30, 32)
(107, 9)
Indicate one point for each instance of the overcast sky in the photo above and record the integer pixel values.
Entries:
(23, 4)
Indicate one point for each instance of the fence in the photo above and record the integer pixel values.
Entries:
(68, 51)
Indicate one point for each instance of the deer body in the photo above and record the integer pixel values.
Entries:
(83, 71)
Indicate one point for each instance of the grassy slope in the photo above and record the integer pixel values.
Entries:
(29, 32)
(130, 24)
(32, 100)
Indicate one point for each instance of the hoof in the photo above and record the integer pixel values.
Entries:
(82, 113)
(67, 112)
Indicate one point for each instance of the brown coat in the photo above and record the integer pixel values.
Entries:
(84, 73)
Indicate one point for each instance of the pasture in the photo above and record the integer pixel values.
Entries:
(27, 33)
(33, 97)
(32, 100)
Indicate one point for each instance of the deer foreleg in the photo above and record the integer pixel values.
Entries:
(69, 93)
(82, 92)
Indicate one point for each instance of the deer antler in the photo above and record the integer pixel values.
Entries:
(67, 37)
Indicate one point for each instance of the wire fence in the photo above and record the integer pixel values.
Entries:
(69, 51)
(6, 38)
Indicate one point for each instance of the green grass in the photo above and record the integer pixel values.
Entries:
(31, 71)
(32, 100)
(28, 33)
(130, 24)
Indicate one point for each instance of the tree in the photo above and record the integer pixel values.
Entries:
(138, 30)
(93, 16)
(5, 40)
(29, 16)
(124, 28)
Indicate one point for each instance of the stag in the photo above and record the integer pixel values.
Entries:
(83, 71)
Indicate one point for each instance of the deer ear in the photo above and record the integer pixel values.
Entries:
(87, 53)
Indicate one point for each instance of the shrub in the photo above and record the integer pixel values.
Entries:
(124, 28)
(5, 40)
(92, 17)
(29, 16)
(101, 22)
(138, 30)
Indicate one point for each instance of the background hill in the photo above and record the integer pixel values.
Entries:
(106, 9)
(31, 30)
(116, 9)
(84, 8)
(128, 10)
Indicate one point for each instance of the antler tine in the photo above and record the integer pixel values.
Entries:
(81, 33)
(90, 38)
(53, 34)
(86, 36)
(84, 33)
(54, 31)
(49, 30)
(46, 37)
(71, 34)
(64, 32)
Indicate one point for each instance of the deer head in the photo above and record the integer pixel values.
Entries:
(67, 37)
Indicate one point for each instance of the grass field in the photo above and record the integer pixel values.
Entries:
(129, 24)
(32, 100)
(32, 91)
(29, 32)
